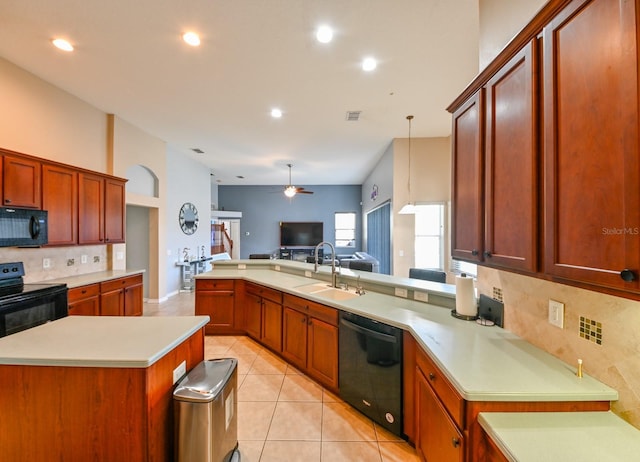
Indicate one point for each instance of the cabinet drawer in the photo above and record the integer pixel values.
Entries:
(115, 284)
(82, 292)
(324, 313)
(265, 292)
(295, 303)
(214, 284)
(452, 401)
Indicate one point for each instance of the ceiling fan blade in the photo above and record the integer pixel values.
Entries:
(302, 191)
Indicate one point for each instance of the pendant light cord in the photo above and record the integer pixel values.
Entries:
(409, 118)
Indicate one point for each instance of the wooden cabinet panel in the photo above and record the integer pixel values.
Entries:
(217, 299)
(22, 182)
(592, 167)
(90, 209)
(511, 167)
(112, 303)
(114, 211)
(322, 360)
(133, 300)
(272, 324)
(438, 438)
(294, 337)
(253, 315)
(467, 180)
(60, 200)
(84, 300)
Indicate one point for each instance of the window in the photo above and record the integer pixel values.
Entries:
(345, 229)
(459, 267)
(429, 236)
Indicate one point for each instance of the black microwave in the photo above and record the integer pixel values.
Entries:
(22, 227)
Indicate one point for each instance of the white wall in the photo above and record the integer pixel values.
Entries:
(188, 182)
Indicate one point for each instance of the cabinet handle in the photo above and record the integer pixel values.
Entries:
(7, 201)
(474, 252)
(432, 376)
(487, 254)
(628, 275)
(304, 319)
(455, 441)
(83, 292)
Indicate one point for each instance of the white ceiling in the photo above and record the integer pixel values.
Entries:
(130, 60)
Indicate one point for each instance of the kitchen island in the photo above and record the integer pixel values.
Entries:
(95, 388)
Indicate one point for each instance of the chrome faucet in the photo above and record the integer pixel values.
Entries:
(334, 273)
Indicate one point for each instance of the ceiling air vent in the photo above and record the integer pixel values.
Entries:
(353, 116)
(197, 150)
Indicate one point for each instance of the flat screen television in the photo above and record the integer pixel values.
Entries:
(301, 234)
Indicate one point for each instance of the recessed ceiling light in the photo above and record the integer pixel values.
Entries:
(191, 38)
(62, 44)
(369, 64)
(324, 34)
(276, 113)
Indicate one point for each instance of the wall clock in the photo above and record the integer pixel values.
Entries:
(188, 218)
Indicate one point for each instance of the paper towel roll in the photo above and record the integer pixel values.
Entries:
(465, 296)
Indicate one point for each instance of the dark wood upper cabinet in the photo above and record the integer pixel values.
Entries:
(467, 179)
(592, 170)
(511, 163)
(60, 200)
(114, 211)
(22, 182)
(90, 209)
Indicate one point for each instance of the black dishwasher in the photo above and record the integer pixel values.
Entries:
(370, 369)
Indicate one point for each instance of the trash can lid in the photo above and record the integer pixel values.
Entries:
(205, 381)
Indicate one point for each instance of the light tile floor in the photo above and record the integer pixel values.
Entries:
(283, 416)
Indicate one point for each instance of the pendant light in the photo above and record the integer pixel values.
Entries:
(410, 207)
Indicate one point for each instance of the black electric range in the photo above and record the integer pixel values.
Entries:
(23, 306)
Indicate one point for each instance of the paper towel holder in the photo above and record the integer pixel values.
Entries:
(464, 317)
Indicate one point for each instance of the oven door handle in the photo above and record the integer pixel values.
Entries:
(368, 332)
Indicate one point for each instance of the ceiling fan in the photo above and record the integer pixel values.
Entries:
(291, 190)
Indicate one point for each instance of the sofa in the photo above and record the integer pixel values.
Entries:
(360, 258)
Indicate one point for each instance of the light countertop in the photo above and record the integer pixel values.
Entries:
(93, 278)
(99, 341)
(562, 436)
(483, 363)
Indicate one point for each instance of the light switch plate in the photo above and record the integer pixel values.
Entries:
(307, 274)
(179, 371)
(556, 313)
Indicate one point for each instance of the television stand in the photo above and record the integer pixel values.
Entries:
(299, 253)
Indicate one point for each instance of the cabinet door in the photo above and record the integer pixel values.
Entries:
(86, 307)
(253, 315)
(294, 337)
(592, 170)
(60, 200)
(511, 167)
(21, 182)
(90, 209)
(112, 303)
(114, 211)
(133, 300)
(467, 185)
(437, 437)
(219, 306)
(272, 324)
(322, 359)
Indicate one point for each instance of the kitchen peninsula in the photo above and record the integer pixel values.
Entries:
(453, 369)
(95, 388)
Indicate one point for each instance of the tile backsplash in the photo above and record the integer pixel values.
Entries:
(59, 261)
(616, 361)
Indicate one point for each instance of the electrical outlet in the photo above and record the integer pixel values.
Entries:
(307, 274)
(119, 255)
(276, 267)
(400, 292)
(46, 263)
(242, 266)
(83, 259)
(179, 371)
(96, 259)
(421, 296)
(71, 262)
(556, 313)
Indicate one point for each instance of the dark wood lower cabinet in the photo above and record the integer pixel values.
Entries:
(115, 297)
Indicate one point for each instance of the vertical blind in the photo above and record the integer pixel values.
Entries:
(379, 236)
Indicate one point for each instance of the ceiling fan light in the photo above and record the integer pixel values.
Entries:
(290, 191)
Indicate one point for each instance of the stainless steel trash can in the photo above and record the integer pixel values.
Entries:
(205, 411)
